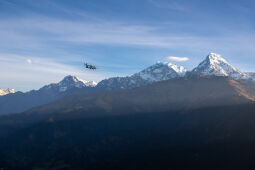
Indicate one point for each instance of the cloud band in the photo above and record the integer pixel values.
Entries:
(178, 59)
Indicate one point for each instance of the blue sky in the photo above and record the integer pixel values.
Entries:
(42, 41)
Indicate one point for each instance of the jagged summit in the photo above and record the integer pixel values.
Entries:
(214, 57)
(158, 72)
(77, 82)
(6, 91)
(161, 71)
(70, 82)
(70, 78)
(215, 64)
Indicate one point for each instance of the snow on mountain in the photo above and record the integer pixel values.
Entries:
(70, 82)
(90, 83)
(158, 72)
(161, 71)
(251, 75)
(214, 64)
(6, 91)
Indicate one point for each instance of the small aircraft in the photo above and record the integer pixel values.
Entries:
(91, 67)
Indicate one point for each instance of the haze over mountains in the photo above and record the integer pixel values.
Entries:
(213, 65)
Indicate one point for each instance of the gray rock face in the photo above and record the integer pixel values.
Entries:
(155, 73)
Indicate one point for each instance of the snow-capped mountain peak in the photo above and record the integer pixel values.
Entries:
(215, 64)
(161, 71)
(6, 91)
(90, 83)
(70, 82)
(178, 69)
(158, 72)
(86, 83)
(216, 58)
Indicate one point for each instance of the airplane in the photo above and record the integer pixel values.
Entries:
(91, 67)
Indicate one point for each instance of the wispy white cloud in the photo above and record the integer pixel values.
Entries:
(29, 61)
(178, 59)
(42, 33)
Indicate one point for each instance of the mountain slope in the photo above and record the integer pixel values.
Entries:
(174, 94)
(6, 91)
(19, 102)
(249, 86)
(69, 82)
(251, 75)
(215, 65)
(155, 73)
(209, 138)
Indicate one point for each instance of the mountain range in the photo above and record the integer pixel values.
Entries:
(165, 118)
(175, 94)
(158, 72)
(19, 101)
(213, 65)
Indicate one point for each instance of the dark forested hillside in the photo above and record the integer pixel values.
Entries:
(210, 138)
